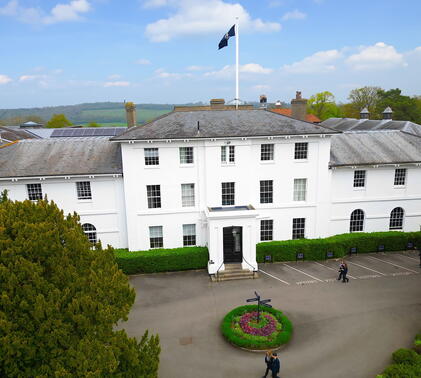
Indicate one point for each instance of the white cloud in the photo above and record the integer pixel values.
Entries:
(114, 77)
(67, 12)
(378, 56)
(143, 61)
(319, 62)
(294, 15)
(59, 13)
(161, 73)
(10, 9)
(4, 79)
(30, 77)
(198, 68)
(229, 70)
(194, 17)
(116, 84)
(155, 3)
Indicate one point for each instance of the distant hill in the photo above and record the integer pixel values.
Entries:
(103, 113)
(99, 112)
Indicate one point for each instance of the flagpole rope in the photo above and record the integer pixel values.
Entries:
(237, 43)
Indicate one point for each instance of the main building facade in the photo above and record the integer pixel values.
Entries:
(227, 179)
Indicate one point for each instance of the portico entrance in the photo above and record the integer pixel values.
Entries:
(233, 244)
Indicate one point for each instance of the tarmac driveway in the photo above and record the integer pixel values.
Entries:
(340, 329)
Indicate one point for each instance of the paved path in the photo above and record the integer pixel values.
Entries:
(341, 330)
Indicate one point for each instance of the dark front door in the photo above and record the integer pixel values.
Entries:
(233, 244)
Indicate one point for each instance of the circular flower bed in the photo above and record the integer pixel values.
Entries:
(241, 328)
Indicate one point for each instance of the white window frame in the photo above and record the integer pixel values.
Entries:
(301, 151)
(267, 152)
(300, 189)
(357, 221)
(266, 230)
(266, 191)
(34, 191)
(83, 190)
(151, 156)
(298, 228)
(400, 177)
(189, 235)
(186, 155)
(156, 237)
(397, 216)
(227, 155)
(90, 232)
(188, 195)
(360, 178)
(229, 195)
(153, 195)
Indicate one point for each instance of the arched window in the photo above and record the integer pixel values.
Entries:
(396, 219)
(357, 221)
(90, 232)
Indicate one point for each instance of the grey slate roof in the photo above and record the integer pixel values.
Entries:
(13, 134)
(220, 124)
(379, 147)
(352, 124)
(60, 156)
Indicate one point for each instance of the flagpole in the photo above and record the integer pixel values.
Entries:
(237, 42)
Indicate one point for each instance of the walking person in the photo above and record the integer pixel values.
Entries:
(345, 272)
(341, 270)
(276, 365)
(269, 362)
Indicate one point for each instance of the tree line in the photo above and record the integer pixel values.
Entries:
(375, 99)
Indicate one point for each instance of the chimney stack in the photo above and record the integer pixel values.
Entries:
(299, 107)
(263, 101)
(364, 113)
(387, 113)
(130, 114)
(217, 103)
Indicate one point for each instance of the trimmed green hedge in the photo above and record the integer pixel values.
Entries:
(162, 260)
(256, 342)
(315, 249)
(406, 363)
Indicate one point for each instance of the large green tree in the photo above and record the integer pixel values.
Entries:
(61, 299)
(323, 105)
(363, 97)
(58, 121)
(404, 108)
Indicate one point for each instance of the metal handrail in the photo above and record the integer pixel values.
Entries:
(217, 272)
(254, 270)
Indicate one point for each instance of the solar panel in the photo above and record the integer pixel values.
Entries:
(88, 132)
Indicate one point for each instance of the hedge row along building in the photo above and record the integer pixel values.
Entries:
(226, 179)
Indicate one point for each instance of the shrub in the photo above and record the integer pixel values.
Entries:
(405, 356)
(256, 342)
(161, 260)
(402, 370)
(315, 249)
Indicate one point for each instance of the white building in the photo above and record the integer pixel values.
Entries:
(227, 179)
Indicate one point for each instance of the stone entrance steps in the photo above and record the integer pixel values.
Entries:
(234, 272)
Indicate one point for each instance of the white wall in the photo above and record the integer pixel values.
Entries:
(207, 173)
(106, 209)
(377, 199)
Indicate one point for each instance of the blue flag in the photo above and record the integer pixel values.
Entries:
(226, 37)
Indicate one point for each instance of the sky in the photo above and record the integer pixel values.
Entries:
(60, 52)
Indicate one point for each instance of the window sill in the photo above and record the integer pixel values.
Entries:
(300, 160)
(187, 165)
(227, 164)
(85, 200)
(399, 186)
(152, 166)
(359, 189)
(267, 161)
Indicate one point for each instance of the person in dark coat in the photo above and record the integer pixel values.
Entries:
(276, 365)
(269, 362)
(341, 270)
(345, 272)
